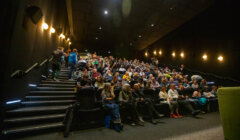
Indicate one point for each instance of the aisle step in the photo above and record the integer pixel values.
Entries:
(60, 82)
(56, 85)
(55, 97)
(52, 92)
(48, 102)
(28, 129)
(52, 89)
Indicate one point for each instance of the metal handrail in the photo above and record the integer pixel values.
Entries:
(29, 69)
(43, 62)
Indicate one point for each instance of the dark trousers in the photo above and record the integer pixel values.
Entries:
(114, 109)
(71, 65)
(131, 108)
(150, 106)
(186, 104)
(56, 66)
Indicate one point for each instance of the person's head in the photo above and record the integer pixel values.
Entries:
(172, 86)
(194, 81)
(126, 73)
(153, 79)
(204, 81)
(171, 79)
(148, 84)
(84, 70)
(85, 77)
(75, 50)
(163, 89)
(136, 86)
(107, 86)
(181, 87)
(126, 87)
(94, 70)
(214, 88)
(182, 66)
(99, 78)
(199, 90)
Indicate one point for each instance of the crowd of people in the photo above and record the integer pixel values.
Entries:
(141, 84)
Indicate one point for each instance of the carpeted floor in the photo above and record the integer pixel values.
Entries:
(206, 127)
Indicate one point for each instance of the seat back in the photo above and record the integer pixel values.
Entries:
(87, 97)
(116, 92)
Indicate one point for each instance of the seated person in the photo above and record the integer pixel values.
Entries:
(203, 84)
(126, 98)
(173, 93)
(108, 101)
(207, 93)
(194, 84)
(186, 83)
(115, 82)
(172, 98)
(201, 101)
(108, 76)
(154, 83)
(95, 73)
(99, 83)
(84, 82)
(214, 91)
(126, 77)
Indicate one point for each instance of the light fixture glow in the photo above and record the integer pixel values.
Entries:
(146, 54)
(32, 85)
(70, 43)
(105, 12)
(139, 36)
(68, 39)
(45, 26)
(160, 52)
(14, 101)
(182, 54)
(62, 36)
(204, 57)
(173, 54)
(96, 38)
(100, 28)
(220, 58)
(52, 30)
(152, 25)
(155, 52)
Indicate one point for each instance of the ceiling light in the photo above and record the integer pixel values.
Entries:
(62, 36)
(152, 25)
(220, 58)
(105, 12)
(146, 54)
(173, 54)
(70, 43)
(155, 52)
(139, 36)
(160, 52)
(52, 30)
(96, 38)
(204, 57)
(100, 28)
(171, 8)
(45, 26)
(68, 39)
(130, 44)
(182, 54)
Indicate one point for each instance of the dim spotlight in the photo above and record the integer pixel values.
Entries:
(139, 36)
(155, 52)
(45, 26)
(152, 25)
(146, 54)
(62, 36)
(160, 52)
(68, 39)
(52, 30)
(96, 38)
(182, 54)
(100, 28)
(220, 58)
(173, 54)
(204, 57)
(70, 43)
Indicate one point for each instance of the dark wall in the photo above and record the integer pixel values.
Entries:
(215, 32)
(24, 43)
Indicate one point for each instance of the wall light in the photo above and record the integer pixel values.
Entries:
(139, 36)
(52, 30)
(155, 52)
(62, 36)
(68, 39)
(160, 52)
(173, 54)
(146, 54)
(105, 12)
(14, 101)
(204, 57)
(70, 43)
(182, 54)
(220, 58)
(44, 26)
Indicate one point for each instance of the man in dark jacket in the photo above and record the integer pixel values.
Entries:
(56, 63)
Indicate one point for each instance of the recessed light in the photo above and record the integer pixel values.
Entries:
(105, 12)
(96, 38)
(139, 36)
(152, 25)
(171, 8)
(100, 28)
(130, 44)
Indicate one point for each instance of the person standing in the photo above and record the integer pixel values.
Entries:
(56, 63)
(72, 61)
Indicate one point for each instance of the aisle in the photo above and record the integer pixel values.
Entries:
(185, 128)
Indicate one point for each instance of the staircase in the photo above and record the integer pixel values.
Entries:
(43, 109)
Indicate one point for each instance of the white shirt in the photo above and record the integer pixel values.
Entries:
(172, 93)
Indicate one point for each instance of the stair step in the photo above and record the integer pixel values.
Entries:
(60, 82)
(52, 88)
(34, 118)
(55, 97)
(32, 128)
(52, 92)
(38, 109)
(57, 85)
(47, 102)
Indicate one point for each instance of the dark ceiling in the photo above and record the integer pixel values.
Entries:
(127, 19)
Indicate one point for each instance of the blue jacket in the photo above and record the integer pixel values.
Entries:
(72, 58)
